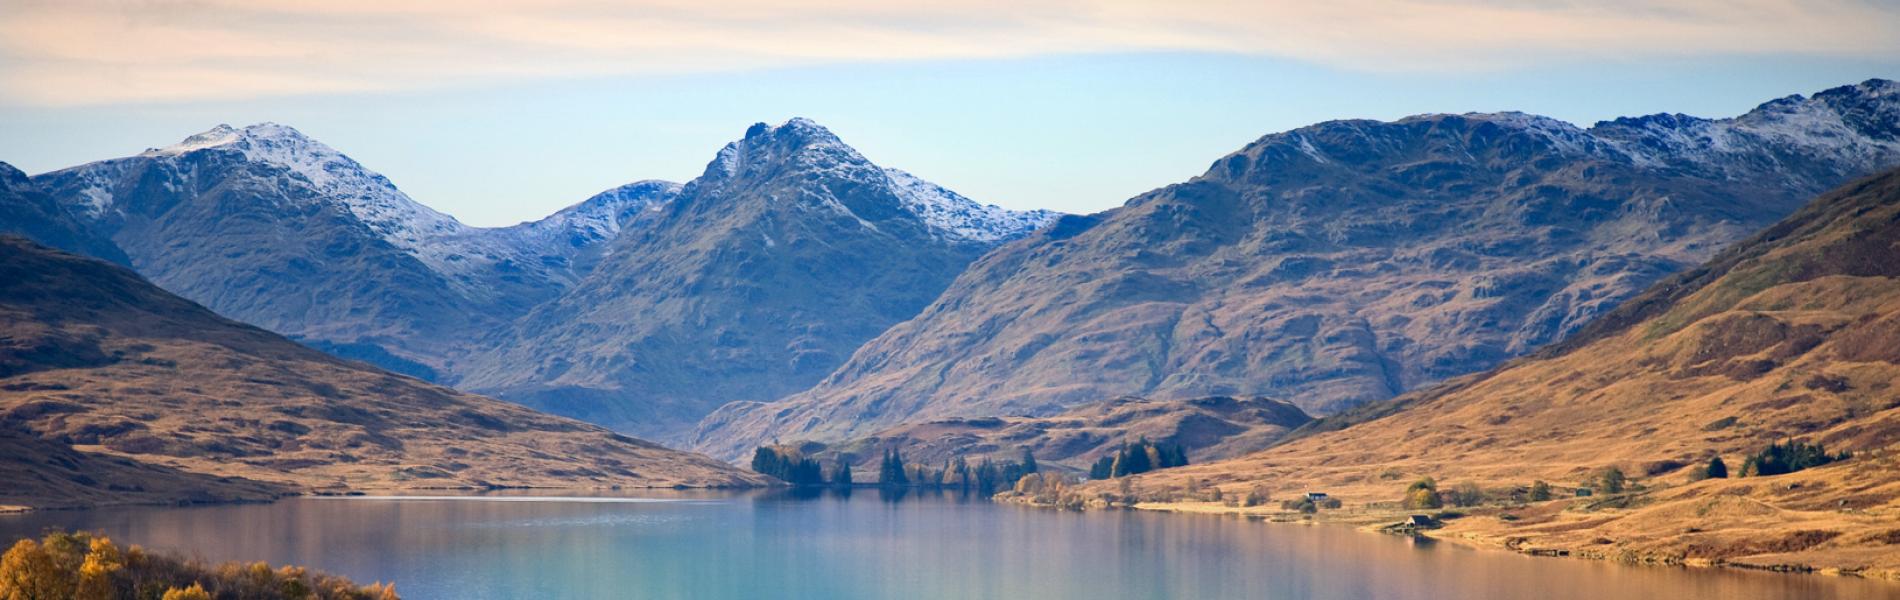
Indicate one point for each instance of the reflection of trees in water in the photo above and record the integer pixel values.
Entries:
(884, 494)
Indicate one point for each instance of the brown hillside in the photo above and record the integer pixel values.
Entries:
(47, 474)
(1794, 333)
(96, 358)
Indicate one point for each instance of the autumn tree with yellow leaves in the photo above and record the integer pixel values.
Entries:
(83, 566)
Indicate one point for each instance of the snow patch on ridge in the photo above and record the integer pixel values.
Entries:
(954, 216)
(439, 241)
(372, 198)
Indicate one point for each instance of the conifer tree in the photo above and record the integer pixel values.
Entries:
(841, 474)
(989, 479)
(1135, 460)
(892, 473)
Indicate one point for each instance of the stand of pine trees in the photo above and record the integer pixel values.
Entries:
(1140, 457)
(890, 473)
(789, 467)
(1789, 457)
(986, 477)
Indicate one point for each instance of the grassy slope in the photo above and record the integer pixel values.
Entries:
(47, 474)
(95, 358)
(1793, 333)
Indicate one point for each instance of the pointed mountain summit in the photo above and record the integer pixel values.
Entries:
(266, 225)
(1340, 263)
(762, 275)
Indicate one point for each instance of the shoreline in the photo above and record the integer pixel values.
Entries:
(1458, 530)
(1465, 529)
(19, 509)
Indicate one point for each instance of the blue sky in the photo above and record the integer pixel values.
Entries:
(1077, 131)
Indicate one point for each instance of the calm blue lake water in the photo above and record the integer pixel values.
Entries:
(869, 545)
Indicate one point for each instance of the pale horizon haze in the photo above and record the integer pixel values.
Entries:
(499, 111)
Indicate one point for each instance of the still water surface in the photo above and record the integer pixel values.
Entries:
(872, 545)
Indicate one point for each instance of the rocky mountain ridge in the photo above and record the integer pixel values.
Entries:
(762, 275)
(1340, 263)
(260, 222)
(1791, 334)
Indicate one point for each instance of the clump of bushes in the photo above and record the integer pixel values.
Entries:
(1609, 480)
(1540, 491)
(1306, 504)
(1423, 494)
(1049, 489)
(1788, 457)
(84, 566)
(1255, 497)
(1464, 494)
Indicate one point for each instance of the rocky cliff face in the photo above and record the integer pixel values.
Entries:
(761, 276)
(1341, 263)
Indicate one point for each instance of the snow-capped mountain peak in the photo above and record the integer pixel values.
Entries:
(282, 156)
(332, 175)
(804, 146)
(217, 136)
(807, 144)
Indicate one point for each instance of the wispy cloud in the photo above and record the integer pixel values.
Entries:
(66, 52)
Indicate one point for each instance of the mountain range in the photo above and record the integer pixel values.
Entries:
(270, 227)
(760, 277)
(774, 246)
(1791, 334)
(1339, 264)
(797, 291)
